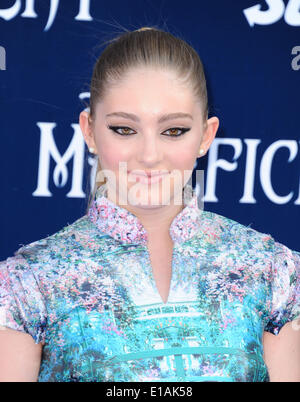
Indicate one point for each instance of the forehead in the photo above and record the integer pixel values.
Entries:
(149, 91)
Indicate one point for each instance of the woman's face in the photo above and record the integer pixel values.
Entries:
(138, 123)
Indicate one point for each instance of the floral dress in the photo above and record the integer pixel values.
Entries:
(88, 294)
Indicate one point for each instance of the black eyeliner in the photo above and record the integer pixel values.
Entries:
(183, 129)
(114, 128)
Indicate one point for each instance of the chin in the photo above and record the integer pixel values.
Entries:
(152, 200)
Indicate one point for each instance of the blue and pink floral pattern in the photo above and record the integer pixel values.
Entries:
(88, 294)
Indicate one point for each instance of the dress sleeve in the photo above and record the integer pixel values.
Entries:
(285, 299)
(21, 303)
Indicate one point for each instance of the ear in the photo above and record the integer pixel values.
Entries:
(87, 129)
(209, 133)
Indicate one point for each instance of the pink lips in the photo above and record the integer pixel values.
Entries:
(148, 177)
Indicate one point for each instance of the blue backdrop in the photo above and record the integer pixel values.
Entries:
(251, 53)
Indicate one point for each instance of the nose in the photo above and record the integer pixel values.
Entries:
(149, 150)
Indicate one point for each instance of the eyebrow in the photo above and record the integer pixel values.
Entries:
(163, 118)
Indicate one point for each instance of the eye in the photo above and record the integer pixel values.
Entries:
(174, 131)
(126, 130)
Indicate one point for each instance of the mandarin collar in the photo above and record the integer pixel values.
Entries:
(122, 225)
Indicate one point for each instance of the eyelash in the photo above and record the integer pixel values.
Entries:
(115, 128)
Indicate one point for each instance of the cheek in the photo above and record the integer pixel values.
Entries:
(184, 158)
(111, 153)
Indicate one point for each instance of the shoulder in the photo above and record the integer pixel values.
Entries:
(259, 249)
(41, 254)
(234, 234)
(54, 255)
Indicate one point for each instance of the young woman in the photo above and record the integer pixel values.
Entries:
(137, 290)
